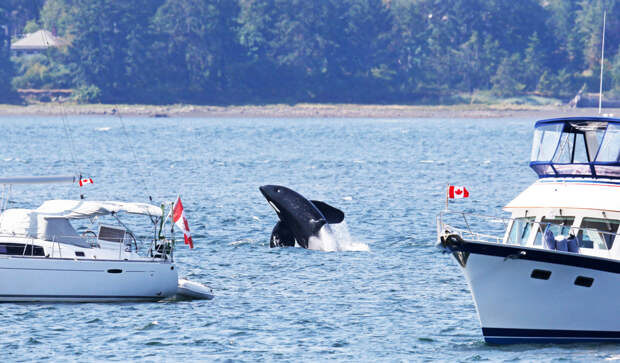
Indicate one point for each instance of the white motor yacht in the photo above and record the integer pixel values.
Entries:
(44, 258)
(550, 272)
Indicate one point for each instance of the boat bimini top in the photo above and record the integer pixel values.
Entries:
(50, 221)
(79, 209)
(577, 147)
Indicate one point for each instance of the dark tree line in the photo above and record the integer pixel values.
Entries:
(264, 51)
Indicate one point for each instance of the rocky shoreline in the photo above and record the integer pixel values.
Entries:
(303, 111)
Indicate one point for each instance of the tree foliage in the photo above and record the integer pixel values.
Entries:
(253, 51)
(6, 66)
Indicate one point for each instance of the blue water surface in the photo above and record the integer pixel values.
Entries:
(401, 301)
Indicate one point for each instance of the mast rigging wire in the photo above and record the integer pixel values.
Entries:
(63, 117)
(69, 135)
(133, 151)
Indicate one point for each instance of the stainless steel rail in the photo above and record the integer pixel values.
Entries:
(466, 232)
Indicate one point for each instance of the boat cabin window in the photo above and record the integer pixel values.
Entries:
(558, 225)
(598, 233)
(111, 234)
(545, 141)
(610, 149)
(580, 153)
(574, 147)
(571, 149)
(520, 231)
(20, 249)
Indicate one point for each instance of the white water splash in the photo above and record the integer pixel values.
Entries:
(102, 129)
(336, 237)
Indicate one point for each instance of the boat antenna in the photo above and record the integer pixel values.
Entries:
(600, 90)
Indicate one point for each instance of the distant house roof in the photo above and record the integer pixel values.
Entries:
(39, 40)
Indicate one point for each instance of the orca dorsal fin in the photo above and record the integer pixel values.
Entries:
(331, 214)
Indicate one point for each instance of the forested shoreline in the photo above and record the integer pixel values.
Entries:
(326, 51)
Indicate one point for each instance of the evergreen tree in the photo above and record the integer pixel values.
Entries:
(359, 53)
(281, 44)
(409, 45)
(532, 63)
(615, 72)
(589, 25)
(58, 16)
(492, 55)
(198, 40)
(111, 47)
(568, 53)
(236, 51)
(6, 66)
(506, 82)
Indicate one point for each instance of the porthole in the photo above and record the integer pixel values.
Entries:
(584, 281)
(540, 274)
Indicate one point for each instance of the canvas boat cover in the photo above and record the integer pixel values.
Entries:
(77, 209)
(50, 221)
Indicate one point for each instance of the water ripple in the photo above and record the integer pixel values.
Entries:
(399, 301)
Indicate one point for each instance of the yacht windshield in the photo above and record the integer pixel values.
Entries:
(610, 149)
(577, 147)
(598, 233)
(520, 231)
(558, 225)
(545, 141)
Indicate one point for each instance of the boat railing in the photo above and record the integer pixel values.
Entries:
(57, 244)
(467, 225)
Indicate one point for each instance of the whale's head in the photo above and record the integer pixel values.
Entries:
(297, 213)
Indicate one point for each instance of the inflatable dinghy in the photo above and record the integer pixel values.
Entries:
(194, 290)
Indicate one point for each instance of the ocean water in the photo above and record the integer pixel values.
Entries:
(387, 295)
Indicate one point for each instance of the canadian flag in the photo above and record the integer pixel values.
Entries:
(178, 217)
(455, 192)
(85, 181)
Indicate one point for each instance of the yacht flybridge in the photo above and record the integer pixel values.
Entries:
(550, 272)
(44, 258)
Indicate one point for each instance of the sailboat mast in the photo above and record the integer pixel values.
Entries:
(600, 90)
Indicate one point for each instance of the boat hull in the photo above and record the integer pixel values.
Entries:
(526, 295)
(26, 279)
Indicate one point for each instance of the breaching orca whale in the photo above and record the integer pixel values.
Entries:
(300, 218)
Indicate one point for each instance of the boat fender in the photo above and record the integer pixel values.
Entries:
(573, 244)
(561, 245)
(549, 239)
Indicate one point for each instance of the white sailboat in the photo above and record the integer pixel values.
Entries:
(44, 258)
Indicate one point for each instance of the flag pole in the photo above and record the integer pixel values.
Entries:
(172, 240)
(447, 190)
(600, 90)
